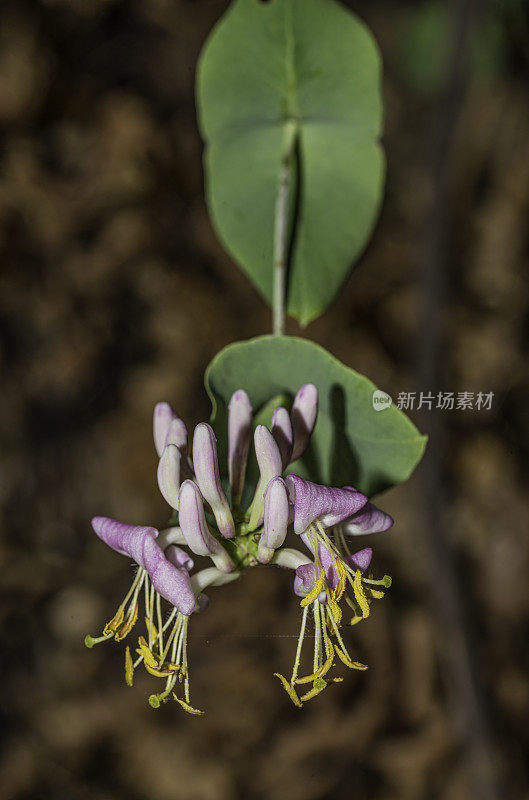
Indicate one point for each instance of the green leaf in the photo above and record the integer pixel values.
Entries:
(301, 74)
(352, 443)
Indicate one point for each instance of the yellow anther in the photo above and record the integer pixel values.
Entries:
(158, 672)
(151, 628)
(317, 588)
(340, 586)
(289, 689)
(128, 625)
(319, 685)
(355, 620)
(347, 661)
(148, 658)
(360, 597)
(334, 609)
(376, 594)
(129, 667)
(323, 670)
(307, 678)
(115, 622)
(187, 707)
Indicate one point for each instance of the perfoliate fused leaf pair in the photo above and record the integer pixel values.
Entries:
(295, 81)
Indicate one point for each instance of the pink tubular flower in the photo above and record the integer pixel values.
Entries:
(139, 542)
(369, 519)
(323, 503)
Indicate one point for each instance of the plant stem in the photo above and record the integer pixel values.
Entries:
(281, 226)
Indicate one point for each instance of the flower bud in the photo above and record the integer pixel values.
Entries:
(304, 413)
(206, 466)
(283, 434)
(169, 474)
(195, 528)
(270, 466)
(239, 434)
(162, 418)
(177, 435)
(276, 511)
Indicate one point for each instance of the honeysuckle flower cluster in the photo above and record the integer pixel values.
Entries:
(327, 575)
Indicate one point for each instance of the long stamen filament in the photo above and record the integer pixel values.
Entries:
(134, 599)
(317, 637)
(180, 643)
(170, 618)
(331, 547)
(300, 645)
(136, 584)
(337, 632)
(176, 631)
(186, 671)
(160, 623)
(343, 541)
(169, 642)
(150, 611)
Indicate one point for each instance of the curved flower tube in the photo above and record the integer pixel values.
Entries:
(139, 542)
(195, 528)
(162, 418)
(177, 435)
(276, 514)
(324, 503)
(239, 437)
(206, 466)
(270, 466)
(369, 519)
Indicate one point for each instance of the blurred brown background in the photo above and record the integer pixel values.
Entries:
(114, 294)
